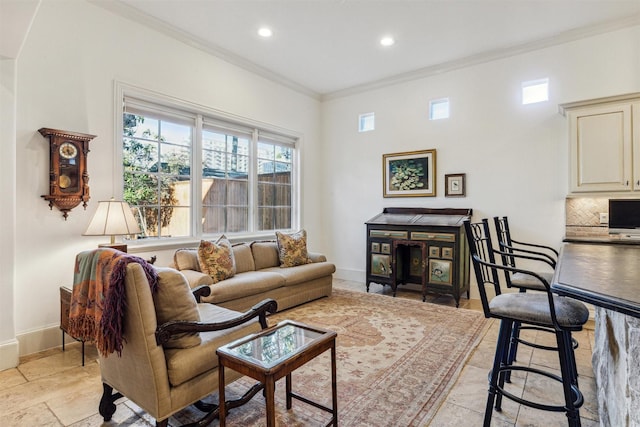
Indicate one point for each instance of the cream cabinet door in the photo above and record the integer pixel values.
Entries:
(601, 149)
(635, 109)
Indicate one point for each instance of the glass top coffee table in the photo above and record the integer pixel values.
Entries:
(274, 353)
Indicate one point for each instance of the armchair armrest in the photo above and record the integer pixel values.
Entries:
(201, 291)
(260, 310)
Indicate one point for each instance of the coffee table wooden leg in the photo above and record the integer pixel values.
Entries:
(221, 397)
(334, 384)
(270, 388)
(288, 382)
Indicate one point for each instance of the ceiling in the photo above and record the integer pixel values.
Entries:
(329, 47)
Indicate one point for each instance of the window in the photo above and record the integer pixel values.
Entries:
(366, 122)
(157, 184)
(189, 173)
(439, 109)
(535, 91)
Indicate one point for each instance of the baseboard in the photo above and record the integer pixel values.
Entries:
(9, 354)
(351, 275)
(40, 340)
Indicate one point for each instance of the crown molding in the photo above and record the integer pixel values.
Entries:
(131, 13)
(490, 55)
(124, 10)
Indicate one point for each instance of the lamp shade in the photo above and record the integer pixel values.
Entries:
(113, 218)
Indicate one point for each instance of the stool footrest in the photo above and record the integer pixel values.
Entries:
(578, 397)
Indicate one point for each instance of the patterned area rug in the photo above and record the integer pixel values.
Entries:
(396, 361)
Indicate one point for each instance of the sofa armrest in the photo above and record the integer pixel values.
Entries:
(316, 257)
(260, 310)
(197, 278)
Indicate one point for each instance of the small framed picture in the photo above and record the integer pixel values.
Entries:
(454, 185)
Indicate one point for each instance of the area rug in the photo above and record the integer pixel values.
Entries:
(396, 361)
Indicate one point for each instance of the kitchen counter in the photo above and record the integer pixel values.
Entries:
(600, 240)
(608, 276)
(604, 275)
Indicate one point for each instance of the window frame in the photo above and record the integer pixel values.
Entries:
(205, 116)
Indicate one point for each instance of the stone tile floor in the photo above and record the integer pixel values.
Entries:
(51, 388)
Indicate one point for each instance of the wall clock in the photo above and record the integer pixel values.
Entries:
(68, 176)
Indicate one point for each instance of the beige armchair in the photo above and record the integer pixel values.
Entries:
(168, 360)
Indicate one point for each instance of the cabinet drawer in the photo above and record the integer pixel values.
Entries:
(389, 234)
(439, 237)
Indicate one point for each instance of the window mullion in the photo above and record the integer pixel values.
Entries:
(253, 182)
(196, 179)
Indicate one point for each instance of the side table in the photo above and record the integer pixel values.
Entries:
(65, 306)
(274, 353)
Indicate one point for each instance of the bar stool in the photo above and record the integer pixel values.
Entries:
(532, 251)
(541, 309)
(509, 250)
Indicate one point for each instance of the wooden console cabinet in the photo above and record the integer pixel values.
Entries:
(419, 245)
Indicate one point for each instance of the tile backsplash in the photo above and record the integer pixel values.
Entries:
(583, 216)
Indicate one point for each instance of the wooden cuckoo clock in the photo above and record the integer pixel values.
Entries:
(68, 176)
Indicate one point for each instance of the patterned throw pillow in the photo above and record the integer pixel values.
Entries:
(216, 259)
(292, 248)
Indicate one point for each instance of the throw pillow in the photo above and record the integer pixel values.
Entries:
(216, 259)
(186, 259)
(292, 248)
(174, 301)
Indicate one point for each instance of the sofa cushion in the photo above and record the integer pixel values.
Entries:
(244, 284)
(186, 259)
(303, 273)
(265, 254)
(292, 248)
(184, 364)
(174, 301)
(244, 257)
(216, 259)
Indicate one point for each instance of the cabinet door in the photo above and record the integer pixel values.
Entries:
(636, 145)
(601, 153)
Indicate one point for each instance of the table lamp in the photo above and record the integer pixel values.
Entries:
(113, 218)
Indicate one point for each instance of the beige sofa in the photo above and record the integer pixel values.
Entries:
(259, 276)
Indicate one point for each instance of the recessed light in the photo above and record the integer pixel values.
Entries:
(387, 41)
(265, 32)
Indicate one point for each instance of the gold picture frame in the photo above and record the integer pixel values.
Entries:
(409, 174)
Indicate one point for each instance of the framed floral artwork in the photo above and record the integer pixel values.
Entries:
(409, 174)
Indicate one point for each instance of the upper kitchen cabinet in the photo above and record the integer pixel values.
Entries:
(604, 140)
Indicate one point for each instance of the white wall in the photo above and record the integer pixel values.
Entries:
(66, 74)
(515, 156)
(8, 342)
